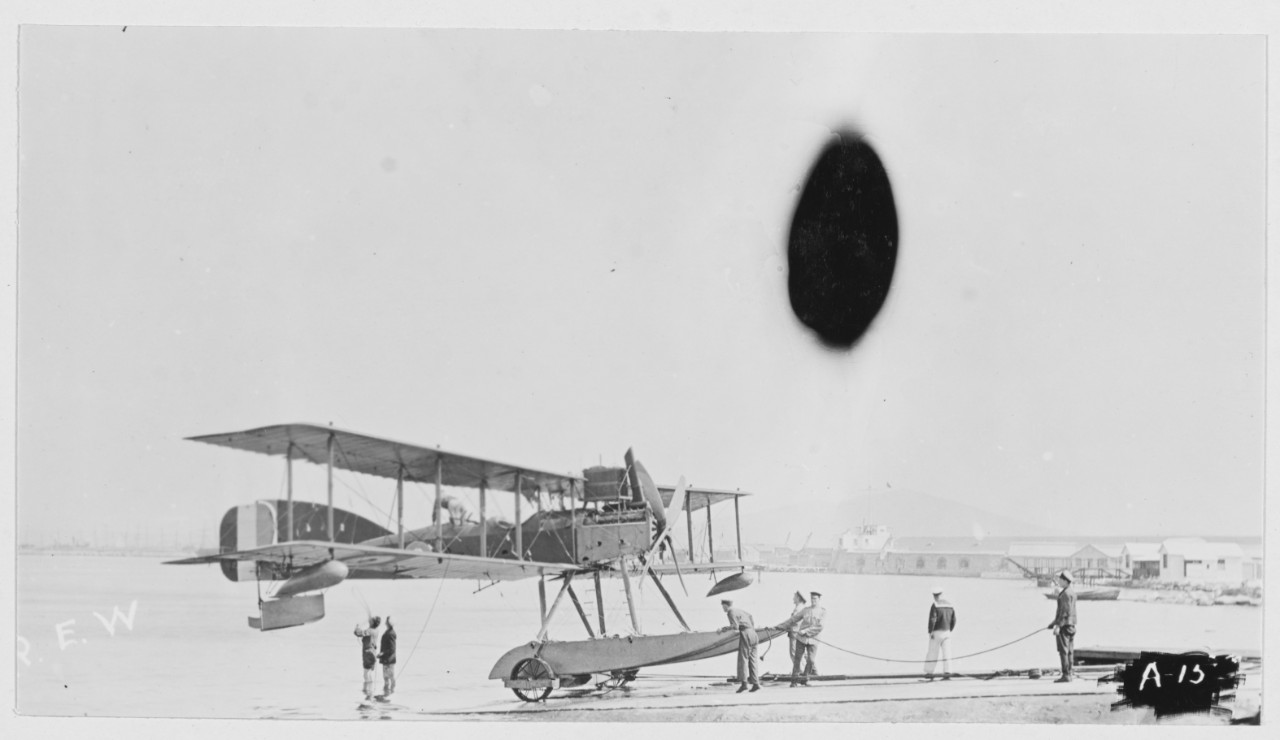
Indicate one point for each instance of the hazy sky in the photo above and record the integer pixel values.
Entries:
(545, 247)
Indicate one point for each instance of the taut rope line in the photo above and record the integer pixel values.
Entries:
(958, 657)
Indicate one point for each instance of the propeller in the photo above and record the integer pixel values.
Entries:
(670, 517)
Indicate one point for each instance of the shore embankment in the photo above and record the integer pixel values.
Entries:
(1196, 594)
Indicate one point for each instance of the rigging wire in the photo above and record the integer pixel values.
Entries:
(367, 611)
(427, 621)
(360, 492)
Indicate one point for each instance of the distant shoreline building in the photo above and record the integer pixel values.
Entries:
(1195, 560)
(871, 550)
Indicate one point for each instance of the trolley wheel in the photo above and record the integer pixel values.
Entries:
(532, 668)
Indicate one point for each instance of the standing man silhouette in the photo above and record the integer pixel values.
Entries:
(942, 621)
(1064, 627)
(748, 659)
(808, 625)
(798, 604)
(387, 657)
(368, 653)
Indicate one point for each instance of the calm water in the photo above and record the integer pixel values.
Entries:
(190, 653)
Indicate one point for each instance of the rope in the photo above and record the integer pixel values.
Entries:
(958, 657)
(368, 612)
(423, 631)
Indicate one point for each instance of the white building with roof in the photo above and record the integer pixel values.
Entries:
(1252, 567)
(1141, 559)
(1199, 561)
(1095, 561)
(1043, 558)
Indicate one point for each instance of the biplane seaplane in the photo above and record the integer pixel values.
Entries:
(609, 522)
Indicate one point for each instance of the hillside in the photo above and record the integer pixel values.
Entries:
(906, 513)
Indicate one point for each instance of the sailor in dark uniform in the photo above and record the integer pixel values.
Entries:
(748, 659)
(1064, 626)
(387, 657)
(942, 621)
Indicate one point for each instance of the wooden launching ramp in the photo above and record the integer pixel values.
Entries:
(1008, 698)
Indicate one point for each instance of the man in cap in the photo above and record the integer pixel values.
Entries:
(369, 652)
(748, 659)
(798, 605)
(807, 624)
(1064, 626)
(387, 657)
(942, 620)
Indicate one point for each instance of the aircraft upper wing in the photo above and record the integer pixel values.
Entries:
(389, 562)
(699, 498)
(386, 458)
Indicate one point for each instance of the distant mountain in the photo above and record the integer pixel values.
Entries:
(906, 513)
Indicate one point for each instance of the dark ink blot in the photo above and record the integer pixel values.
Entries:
(844, 242)
(1173, 684)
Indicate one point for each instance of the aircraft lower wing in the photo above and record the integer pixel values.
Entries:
(387, 562)
(668, 568)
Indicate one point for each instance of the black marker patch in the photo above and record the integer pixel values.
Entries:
(844, 242)
(1173, 684)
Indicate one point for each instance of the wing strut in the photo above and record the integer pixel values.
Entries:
(688, 515)
(288, 472)
(581, 613)
(631, 603)
(542, 598)
(711, 540)
(438, 517)
(670, 603)
(484, 523)
(332, 534)
(599, 603)
(400, 506)
(546, 621)
(737, 526)
(520, 526)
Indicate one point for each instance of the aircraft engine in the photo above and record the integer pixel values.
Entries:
(314, 577)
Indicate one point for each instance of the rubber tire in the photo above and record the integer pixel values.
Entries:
(532, 668)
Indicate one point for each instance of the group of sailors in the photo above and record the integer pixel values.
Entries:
(378, 642)
(805, 624)
(803, 628)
